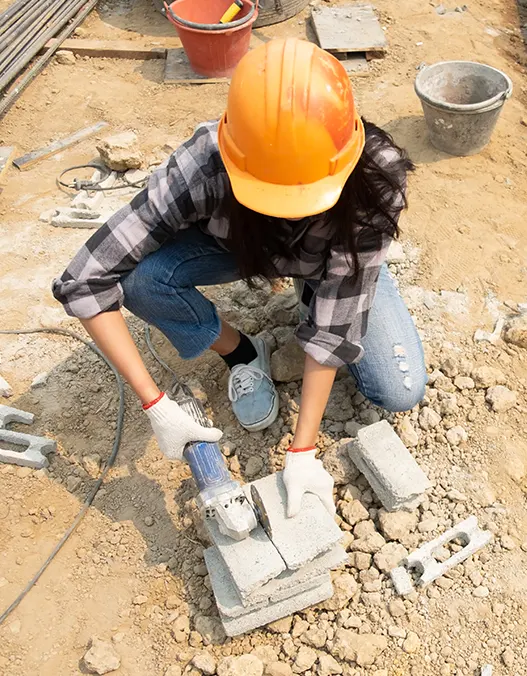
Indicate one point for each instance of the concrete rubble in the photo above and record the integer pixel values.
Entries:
(258, 580)
(121, 151)
(486, 670)
(5, 388)
(389, 467)
(423, 564)
(35, 448)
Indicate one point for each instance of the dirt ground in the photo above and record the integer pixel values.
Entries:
(134, 567)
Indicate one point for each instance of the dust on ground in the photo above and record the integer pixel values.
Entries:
(133, 573)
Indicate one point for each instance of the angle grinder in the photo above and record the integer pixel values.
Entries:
(220, 498)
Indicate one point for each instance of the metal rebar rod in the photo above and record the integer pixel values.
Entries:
(24, 21)
(42, 62)
(7, 21)
(27, 32)
(13, 9)
(53, 27)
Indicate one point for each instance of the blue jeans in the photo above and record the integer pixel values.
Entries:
(162, 290)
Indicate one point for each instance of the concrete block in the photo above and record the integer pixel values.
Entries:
(486, 670)
(302, 538)
(289, 583)
(35, 451)
(93, 200)
(78, 218)
(8, 414)
(251, 562)
(35, 448)
(258, 618)
(388, 466)
(428, 569)
(402, 582)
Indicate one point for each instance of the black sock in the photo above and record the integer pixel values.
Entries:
(243, 354)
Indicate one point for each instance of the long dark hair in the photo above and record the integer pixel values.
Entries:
(373, 196)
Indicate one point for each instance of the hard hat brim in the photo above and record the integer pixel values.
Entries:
(289, 201)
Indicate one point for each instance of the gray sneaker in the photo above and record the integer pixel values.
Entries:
(252, 392)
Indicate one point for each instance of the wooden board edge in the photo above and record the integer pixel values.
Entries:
(106, 51)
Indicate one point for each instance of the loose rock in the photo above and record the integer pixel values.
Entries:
(363, 649)
(397, 525)
(210, 628)
(429, 419)
(516, 331)
(488, 376)
(345, 586)
(254, 466)
(407, 433)
(121, 152)
(337, 462)
(65, 58)
(205, 662)
(287, 363)
(305, 659)
(244, 665)
(456, 435)
(354, 511)
(101, 657)
(464, 383)
(501, 398)
(278, 669)
(390, 556)
(412, 643)
(328, 665)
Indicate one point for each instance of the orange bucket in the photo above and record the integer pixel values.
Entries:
(213, 49)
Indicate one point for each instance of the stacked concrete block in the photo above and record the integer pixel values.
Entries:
(33, 449)
(422, 564)
(259, 580)
(389, 467)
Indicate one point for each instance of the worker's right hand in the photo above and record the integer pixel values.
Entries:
(174, 428)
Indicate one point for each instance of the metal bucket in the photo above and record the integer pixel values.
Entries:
(461, 101)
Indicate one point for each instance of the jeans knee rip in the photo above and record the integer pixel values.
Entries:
(399, 354)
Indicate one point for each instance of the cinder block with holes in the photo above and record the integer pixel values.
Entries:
(34, 448)
(423, 565)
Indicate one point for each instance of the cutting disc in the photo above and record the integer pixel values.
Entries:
(261, 512)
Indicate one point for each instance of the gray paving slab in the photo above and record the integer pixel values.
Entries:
(258, 618)
(251, 562)
(388, 466)
(303, 537)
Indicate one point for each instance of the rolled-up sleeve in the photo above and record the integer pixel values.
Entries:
(185, 189)
(338, 314)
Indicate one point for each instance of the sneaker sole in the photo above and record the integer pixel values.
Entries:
(266, 422)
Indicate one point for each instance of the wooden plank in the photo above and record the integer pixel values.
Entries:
(28, 160)
(6, 157)
(352, 28)
(111, 49)
(178, 70)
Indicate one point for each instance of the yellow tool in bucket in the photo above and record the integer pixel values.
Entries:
(233, 10)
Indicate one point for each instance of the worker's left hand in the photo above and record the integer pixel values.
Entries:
(303, 473)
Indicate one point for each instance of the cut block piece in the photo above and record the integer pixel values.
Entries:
(231, 604)
(352, 28)
(303, 537)
(275, 611)
(388, 466)
(35, 449)
(251, 562)
(6, 157)
(8, 414)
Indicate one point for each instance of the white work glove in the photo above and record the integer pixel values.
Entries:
(303, 473)
(174, 428)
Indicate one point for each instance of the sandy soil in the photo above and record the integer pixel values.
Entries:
(464, 232)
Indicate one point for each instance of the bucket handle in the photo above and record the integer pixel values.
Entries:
(209, 26)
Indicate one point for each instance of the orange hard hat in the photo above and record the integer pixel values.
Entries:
(291, 135)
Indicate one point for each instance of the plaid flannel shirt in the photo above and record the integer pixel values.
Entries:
(187, 190)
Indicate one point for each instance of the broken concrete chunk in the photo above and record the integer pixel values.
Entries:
(35, 448)
(501, 398)
(5, 388)
(121, 151)
(388, 466)
(516, 331)
(337, 462)
(65, 58)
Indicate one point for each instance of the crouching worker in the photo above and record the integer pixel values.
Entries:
(290, 183)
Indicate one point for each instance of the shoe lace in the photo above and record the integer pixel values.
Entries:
(242, 380)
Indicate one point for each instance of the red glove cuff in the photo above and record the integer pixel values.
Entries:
(154, 401)
(301, 450)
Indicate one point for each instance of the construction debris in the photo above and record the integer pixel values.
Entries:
(27, 161)
(258, 580)
(6, 157)
(389, 467)
(121, 151)
(5, 388)
(486, 670)
(101, 657)
(423, 565)
(36, 448)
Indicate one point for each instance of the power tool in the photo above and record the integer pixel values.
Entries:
(220, 497)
